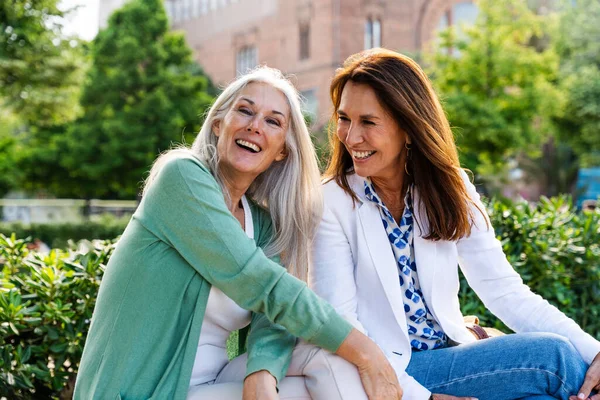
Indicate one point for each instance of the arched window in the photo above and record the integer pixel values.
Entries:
(246, 59)
(372, 33)
(461, 14)
(304, 41)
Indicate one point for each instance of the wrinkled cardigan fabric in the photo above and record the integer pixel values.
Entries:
(181, 240)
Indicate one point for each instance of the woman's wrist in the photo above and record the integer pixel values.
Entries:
(263, 376)
(356, 348)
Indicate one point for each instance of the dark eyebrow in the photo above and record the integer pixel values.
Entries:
(369, 116)
(364, 116)
(252, 103)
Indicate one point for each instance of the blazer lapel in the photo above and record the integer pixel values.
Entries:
(383, 259)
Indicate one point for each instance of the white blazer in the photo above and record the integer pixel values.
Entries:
(355, 270)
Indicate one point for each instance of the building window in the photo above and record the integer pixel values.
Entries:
(460, 15)
(246, 59)
(187, 9)
(304, 41)
(372, 33)
(177, 10)
(195, 8)
(169, 9)
(203, 7)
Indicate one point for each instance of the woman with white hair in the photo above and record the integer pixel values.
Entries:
(194, 259)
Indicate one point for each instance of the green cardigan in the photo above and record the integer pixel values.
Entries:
(182, 239)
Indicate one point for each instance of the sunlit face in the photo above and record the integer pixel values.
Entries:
(252, 133)
(370, 134)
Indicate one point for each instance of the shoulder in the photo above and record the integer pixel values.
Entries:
(179, 162)
(337, 200)
(181, 169)
(332, 191)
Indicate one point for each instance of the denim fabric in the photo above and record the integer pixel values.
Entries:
(532, 366)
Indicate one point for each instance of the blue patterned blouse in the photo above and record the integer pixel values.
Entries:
(424, 331)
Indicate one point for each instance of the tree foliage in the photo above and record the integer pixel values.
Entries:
(143, 92)
(578, 44)
(40, 69)
(497, 83)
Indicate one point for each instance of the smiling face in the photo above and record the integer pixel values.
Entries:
(252, 132)
(370, 134)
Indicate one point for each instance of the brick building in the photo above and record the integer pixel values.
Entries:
(306, 38)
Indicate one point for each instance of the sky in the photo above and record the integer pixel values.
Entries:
(84, 21)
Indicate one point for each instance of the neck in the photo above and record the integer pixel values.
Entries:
(391, 192)
(236, 185)
(389, 188)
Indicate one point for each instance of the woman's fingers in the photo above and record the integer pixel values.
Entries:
(592, 379)
(380, 384)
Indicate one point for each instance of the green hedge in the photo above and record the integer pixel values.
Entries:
(46, 301)
(556, 250)
(58, 235)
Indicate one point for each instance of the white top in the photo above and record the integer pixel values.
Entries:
(222, 316)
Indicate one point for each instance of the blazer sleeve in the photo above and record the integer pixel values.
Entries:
(332, 273)
(185, 208)
(332, 278)
(502, 290)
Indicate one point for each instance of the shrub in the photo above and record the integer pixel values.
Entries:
(557, 253)
(58, 235)
(46, 303)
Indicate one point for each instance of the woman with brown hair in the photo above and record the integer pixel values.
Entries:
(400, 216)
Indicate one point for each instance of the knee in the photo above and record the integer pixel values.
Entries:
(555, 344)
(562, 351)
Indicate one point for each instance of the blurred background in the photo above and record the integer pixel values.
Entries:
(91, 91)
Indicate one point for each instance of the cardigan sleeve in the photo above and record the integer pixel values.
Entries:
(185, 208)
(270, 347)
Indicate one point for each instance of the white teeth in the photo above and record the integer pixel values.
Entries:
(362, 154)
(248, 144)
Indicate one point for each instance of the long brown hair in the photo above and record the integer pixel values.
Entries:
(405, 92)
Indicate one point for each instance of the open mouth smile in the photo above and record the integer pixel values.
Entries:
(248, 146)
(362, 155)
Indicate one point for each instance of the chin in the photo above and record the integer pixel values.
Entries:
(362, 172)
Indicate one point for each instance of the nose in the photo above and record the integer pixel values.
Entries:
(254, 125)
(353, 136)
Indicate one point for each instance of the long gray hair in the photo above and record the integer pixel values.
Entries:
(289, 189)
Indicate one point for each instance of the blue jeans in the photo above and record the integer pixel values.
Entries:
(532, 366)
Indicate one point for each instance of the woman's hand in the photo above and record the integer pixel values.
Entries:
(448, 397)
(377, 375)
(591, 382)
(260, 385)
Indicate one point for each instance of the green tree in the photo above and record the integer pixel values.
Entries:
(9, 148)
(497, 83)
(143, 93)
(40, 69)
(578, 44)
